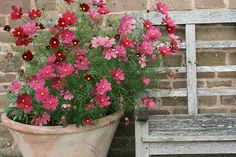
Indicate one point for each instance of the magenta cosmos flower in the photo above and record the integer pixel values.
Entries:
(163, 8)
(165, 51)
(118, 75)
(35, 82)
(67, 36)
(103, 86)
(103, 100)
(41, 94)
(65, 70)
(46, 72)
(30, 29)
(41, 120)
(50, 103)
(146, 48)
(127, 25)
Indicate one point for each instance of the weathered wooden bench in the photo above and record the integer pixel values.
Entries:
(193, 133)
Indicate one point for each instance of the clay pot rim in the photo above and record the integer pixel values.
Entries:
(52, 130)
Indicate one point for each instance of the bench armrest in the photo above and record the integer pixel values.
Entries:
(141, 114)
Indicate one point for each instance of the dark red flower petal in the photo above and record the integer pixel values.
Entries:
(54, 43)
(27, 56)
(84, 7)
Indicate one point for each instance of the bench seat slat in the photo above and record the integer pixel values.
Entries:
(152, 139)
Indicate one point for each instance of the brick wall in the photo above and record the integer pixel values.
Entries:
(123, 143)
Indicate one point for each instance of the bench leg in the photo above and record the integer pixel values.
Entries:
(142, 149)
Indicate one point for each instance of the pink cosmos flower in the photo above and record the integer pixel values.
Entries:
(69, 18)
(67, 95)
(65, 70)
(87, 121)
(148, 102)
(127, 25)
(30, 29)
(127, 43)
(79, 52)
(168, 21)
(121, 52)
(16, 86)
(41, 120)
(109, 53)
(24, 101)
(66, 107)
(102, 41)
(152, 34)
(52, 59)
(50, 103)
(103, 100)
(95, 2)
(174, 37)
(35, 82)
(108, 42)
(46, 72)
(9, 56)
(142, 61)
(103, 10)
(146, 48)
(67, 36)
(103, 86)
(89, 106)
(41, 94)
(118, 75)
(93, 14)
(145, 80)
(165, 51)
(163, 8)
(82, 63)
(154, 57)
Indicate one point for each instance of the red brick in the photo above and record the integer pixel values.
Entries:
(207, 100)
(211, 110)
(210, 58)
(4, 37)
(124, 5)
(7, 78)
(231, 4)
(174, 101)
(211, 84)
(205, 75)
(159, 112)
(17, 23)
(228, 100)
(159, 84)
(180, 84)
(176, 4)
(173, 61)
(5, 5)
(209, 4)
(3, 101)
(5, 66)
(180, 111)
(46, 4)
(200, 84)
(232, 58)
(2, 21)
(227, 75)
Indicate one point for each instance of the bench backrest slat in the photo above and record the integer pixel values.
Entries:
(190, 20)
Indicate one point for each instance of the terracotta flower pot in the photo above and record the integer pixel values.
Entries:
(71, 141)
